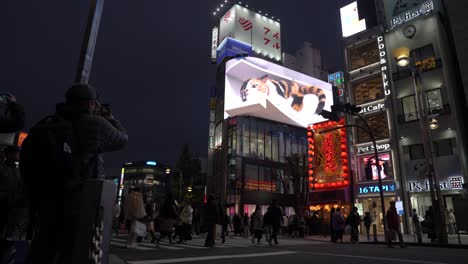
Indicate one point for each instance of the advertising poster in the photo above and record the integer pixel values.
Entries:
(257, 87)
(369, 167)
(260, 31)
(329, 156)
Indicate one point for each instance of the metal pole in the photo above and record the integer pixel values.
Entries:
(436, 198)
(89, 41)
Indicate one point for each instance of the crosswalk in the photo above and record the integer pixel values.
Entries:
(198, 243)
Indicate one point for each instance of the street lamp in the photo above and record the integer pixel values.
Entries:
(403, 59)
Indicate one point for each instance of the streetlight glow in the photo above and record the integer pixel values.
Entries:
(402, 56)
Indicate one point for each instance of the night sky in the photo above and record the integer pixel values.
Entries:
(151, 62)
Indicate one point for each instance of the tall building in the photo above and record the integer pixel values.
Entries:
(258, 119)
(387, 94)
(307, 60)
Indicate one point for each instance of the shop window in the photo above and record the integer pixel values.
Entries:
(260, 140)
(409, 108)
(443, 147)
(379, 126)
(424, 57)
(245, 138)
(434, 103)
(368, 90)
(363, 55)
(434, 100)
(275, 146)
(251, 177)
(253, 139)
(368, 168)
(416, 151)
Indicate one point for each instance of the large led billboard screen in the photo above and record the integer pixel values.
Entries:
(350, 23)
(260, 88)
(262, 32)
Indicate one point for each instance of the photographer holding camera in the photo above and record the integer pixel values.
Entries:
(66, 149)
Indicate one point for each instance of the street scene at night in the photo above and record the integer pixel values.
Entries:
(221, 131)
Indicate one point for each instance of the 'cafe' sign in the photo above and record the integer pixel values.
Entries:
(372, 108)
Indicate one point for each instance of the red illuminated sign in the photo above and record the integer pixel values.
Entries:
(327, 156)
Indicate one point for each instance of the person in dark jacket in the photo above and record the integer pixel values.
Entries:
(354, 219)
(367, 223)
(332, 230)
(210, 213)
(394, 225)
(277, 220)
(93, 134)
(167, 217)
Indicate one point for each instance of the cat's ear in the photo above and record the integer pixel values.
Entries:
(264, 78)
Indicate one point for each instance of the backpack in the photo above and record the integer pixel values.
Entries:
(47, 160)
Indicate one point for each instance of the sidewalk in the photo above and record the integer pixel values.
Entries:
(453, 241)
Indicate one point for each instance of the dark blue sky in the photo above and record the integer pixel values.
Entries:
(151, 62)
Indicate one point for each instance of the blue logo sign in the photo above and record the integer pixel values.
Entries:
(375, 188)
(232, 47)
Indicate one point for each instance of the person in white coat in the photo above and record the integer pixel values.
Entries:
(186, 216)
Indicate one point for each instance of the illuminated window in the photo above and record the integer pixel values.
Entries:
(409, 108)
(424, 57)
(434, 103)
(363, 55)
(368, 168)
(368, 90)
(379, 125)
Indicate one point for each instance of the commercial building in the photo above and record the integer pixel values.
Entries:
(386, 92)
(256, 122)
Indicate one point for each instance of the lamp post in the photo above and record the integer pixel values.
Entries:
(425, 122)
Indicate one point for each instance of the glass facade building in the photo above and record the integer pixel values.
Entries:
(257, 167)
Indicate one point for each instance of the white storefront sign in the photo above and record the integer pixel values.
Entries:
(450, 183)
(372, 108)
(370, 148)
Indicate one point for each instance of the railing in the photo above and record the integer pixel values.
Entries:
(413, 116)
(424, 67)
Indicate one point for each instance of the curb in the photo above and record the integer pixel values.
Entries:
(438, 245)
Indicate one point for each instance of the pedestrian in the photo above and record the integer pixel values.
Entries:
(237, 224)
(416, 225)
(277, 220)
(284, 225)
(245, 225)
(134, 210)
(268, 225)
(393, 225)
(115, 218)
(186, 218)
(196, 221)
(354, 220)
(67, 147)
(429, 225)
(150, 219)
(210, 218)
(257, 225)
(332, 230)
(224, 225)
(367, 223)
(450, 222)
(301, 227)
(338, 224)
(167, 218)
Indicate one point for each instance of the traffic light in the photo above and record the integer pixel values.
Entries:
(330, 115)
(346, 108)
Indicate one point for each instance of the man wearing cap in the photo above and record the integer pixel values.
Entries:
(58, 205)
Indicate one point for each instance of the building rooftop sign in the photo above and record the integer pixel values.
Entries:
(422, 9)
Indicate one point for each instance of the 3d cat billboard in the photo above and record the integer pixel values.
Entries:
(257, 87)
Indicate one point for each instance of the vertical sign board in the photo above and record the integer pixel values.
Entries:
(261, 32)
(214, 43)
(383, 64)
